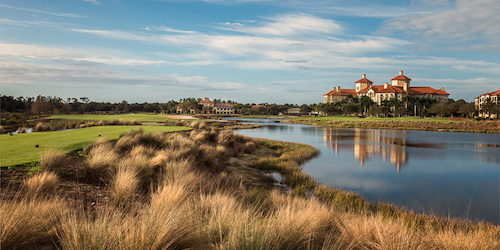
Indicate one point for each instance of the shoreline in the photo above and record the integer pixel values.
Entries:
(492, 127)
(302, 184)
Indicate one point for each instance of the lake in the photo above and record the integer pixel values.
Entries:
(445, 173)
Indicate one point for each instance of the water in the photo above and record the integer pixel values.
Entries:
(446, 173)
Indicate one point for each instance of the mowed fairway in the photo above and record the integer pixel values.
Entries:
(20, 148)
(142, 117)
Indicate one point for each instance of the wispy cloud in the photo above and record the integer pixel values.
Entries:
(95, 2)
(41, 54)
(468, 25)
(288, 25)
(282, 42)
(41, 11)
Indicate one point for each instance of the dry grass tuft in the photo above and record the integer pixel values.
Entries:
(40, 184)
(125, 185)
(140, 165)
(374, 232)
(30, 224)
(100, 160)
(54, 161)
(144, 229)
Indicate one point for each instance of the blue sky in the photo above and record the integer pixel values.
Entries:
(244, 50)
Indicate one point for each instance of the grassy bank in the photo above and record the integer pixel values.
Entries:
(20, 148)
(203, 191)
(291, 155)
(409, 123)
(142, 117)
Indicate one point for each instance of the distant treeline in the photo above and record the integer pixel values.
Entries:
(408, 106)
(350, 106)
(57, 105)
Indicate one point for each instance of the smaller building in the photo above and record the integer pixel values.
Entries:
(338, 94)
(482, 100)
(293, 111)
(223, 108)
(179, 110)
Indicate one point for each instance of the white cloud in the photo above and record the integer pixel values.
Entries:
(95, 2)
(49, 54)
(172, 30)
(468, 25)
(41, 11)
(289, 25)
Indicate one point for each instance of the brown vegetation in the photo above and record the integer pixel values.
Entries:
(205, 191)
(466, 126)
(60, 125)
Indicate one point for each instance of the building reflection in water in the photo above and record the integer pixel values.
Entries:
(367, 143)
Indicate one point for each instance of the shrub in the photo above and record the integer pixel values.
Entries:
(41, 126)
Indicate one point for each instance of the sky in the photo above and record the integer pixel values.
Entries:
(250, 51)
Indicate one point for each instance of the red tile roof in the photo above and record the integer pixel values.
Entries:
(426, 90)
(491, 93)
(258, 106)
(223, 105)
(343, 92)
(401, 77)
(206, 100)
(363, 80)
(381, 89)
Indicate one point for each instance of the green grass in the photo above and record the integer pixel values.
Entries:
(380, 119)
(20, 148)
(142, 117)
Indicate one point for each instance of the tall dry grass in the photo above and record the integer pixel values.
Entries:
(40, 184)
(54, 161)
(125, 185)
(30, 224)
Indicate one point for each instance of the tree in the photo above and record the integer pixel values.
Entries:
(365, 102)
(466, 110)
(305, 109)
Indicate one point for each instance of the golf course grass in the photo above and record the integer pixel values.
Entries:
(20, 148)
(142, 117)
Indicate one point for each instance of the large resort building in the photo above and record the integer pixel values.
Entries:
(399, 88)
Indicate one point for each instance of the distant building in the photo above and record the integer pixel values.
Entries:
(293, 111)
(216, 108)
(179, 110)
(399, 88)
(223, 108)
(481, 100)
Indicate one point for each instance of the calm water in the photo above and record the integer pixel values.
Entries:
(445, 173)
